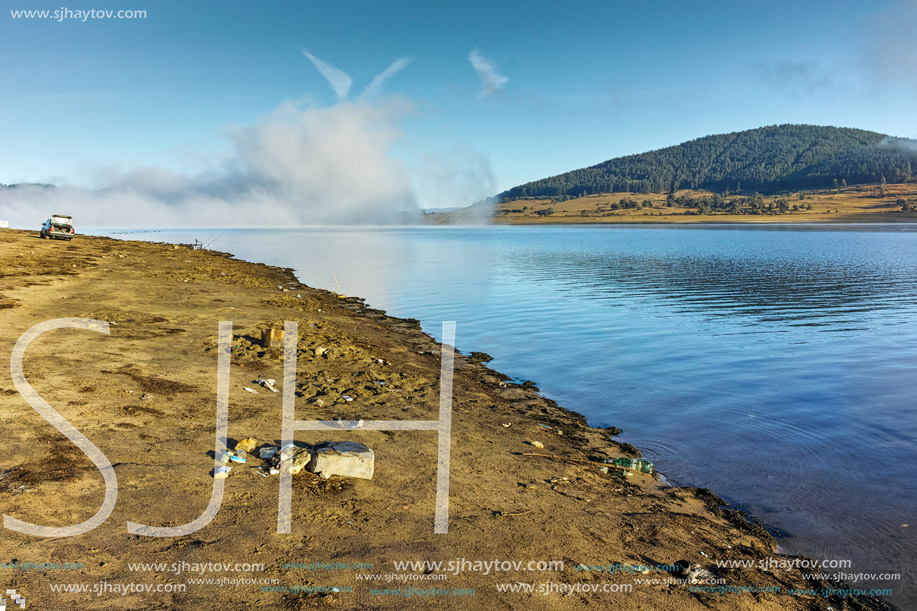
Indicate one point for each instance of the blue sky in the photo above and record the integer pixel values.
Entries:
(584, 82)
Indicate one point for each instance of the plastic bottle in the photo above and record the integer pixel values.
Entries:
(636, 464)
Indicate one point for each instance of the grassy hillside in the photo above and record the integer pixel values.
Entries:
(765, 160)
(860, 203)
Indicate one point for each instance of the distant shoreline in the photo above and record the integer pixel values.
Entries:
(896, 203)
(869, 221)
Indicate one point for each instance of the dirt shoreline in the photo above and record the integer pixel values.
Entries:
(145, 396)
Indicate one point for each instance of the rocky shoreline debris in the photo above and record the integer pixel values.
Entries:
(325, 459)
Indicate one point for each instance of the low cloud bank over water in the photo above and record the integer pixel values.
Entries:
(296, 166)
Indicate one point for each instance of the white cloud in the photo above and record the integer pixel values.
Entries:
(312, 166)
(454, 177)
(339, 80)
(294, 167)
(375, 85)
(491, 80)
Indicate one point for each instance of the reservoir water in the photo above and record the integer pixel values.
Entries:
(775, 365)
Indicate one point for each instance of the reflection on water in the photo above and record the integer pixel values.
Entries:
(774, 365)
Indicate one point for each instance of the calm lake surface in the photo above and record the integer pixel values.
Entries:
(775, 365)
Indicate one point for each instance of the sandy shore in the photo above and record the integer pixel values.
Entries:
(145, 395)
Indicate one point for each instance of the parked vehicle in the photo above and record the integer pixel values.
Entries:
(58, 227)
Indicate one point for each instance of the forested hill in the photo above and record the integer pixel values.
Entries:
(765, 160)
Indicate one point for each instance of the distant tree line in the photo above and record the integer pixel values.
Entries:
(765, 160)
(26, 184)
(737, 205)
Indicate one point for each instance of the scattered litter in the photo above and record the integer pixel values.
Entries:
(502, 384)
(147, 397)
(506, 425)
(238, 459)
(380, 361)
(347, 398)
(246, 445)
(698, 574)
(544, 425)
(318, 402)
(272, 338)
(287, 451)
(380, 382)
(274, 471)
(537, 444)
(241, 453)
(267, 383)
(604, 470)
(221, 472)
(344, 458)
(251, 390)
(637, 464)
(226, 456)
(268, 452)
(320, 351)
(298, 460)
(560, 432)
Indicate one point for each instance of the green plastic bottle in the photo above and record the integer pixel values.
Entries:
(635, 464)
